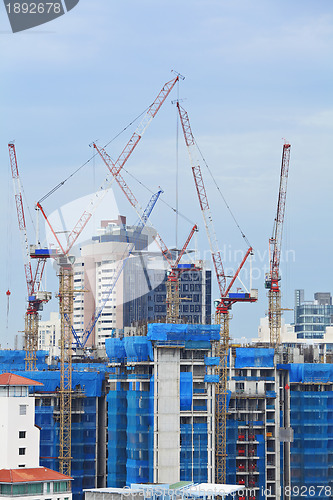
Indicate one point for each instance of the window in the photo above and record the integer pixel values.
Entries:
(23, 409)
(59, 487)
(22, 434)
(34, 488)
(21, 451)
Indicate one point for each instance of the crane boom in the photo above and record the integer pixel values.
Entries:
(121, 264)
(276, 239)
(223, 306)
(33, 280)
(150, 114)
(132, 199)
(21, 218)
(203, 199)
(273, 277)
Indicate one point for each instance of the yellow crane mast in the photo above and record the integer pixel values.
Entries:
(223, 305)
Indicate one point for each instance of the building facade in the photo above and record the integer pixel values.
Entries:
(160, 405)
(139, 294)
(20, 473)
(49, 334)
(312, 318)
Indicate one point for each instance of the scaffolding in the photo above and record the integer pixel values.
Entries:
(66, 292)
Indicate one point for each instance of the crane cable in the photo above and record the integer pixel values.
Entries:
(53, 190)
(8, 252)
(222, 196)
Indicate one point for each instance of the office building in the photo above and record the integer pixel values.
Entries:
(312, 318)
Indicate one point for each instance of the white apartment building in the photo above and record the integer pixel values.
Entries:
(95, 272)
(49, 334)
(20, 474)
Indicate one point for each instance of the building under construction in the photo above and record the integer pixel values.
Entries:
(147, 414)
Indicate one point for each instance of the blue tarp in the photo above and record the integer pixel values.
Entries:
(138, 349)
(89, 382)
(130, 348)
(115, 349)
(211, 379)
(252, 356)
(182, 333)
(186, 390)
(309, 372)
(14, 359)
(212, 361)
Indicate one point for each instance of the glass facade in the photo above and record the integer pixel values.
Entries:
(312, 318)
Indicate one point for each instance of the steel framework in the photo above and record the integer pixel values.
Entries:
(224, 305)
(33, 279)
(273, 278)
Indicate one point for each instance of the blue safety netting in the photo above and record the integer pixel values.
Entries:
(129, 348)
(186, 391)
(83, 438)
(138, 430)
(115, 349)
(212, 361)
(117, 437)
(309, 372)
(130, 435)
(311, 452)
(182, 333)
(14, 360)
(90, 383)
(220, 401)
(213, 379)
(138, 349)
(252, 356)
(232, 433)
(193, 452)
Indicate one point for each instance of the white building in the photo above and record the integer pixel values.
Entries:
(95, 271)
(289, 336)
(20, 474)
(49, 334)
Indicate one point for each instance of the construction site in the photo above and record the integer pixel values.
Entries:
(142, 384)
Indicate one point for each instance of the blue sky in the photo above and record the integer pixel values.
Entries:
(256, 73)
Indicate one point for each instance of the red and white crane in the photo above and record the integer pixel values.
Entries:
(66, 284)
(223, 305)
(273, 277)
(36, 297)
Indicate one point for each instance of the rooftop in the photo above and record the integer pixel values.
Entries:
(23, 475)
(12, 379)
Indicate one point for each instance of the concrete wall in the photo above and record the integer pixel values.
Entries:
(166, 415)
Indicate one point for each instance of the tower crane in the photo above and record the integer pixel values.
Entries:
(66, 284)
(273, 277)
(173, 284)
(223, 305)
(174, 272)
(66, 297)
(36, 297)
(121, 264)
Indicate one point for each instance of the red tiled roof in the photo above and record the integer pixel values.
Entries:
(23, 475)
(12, 379)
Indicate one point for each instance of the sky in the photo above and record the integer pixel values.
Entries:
(256, 74)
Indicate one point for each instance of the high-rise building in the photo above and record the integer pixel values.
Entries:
(139, 295)
(49, 334)
(95, 271)
(312, 318)
(161, 405)
(20, 473)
